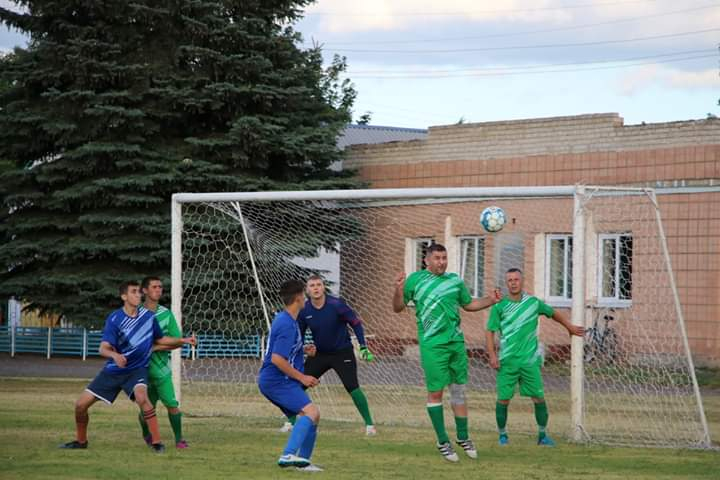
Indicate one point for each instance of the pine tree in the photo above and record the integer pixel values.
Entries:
(116, 105)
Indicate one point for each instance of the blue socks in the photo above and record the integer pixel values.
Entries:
(300, 432)
(307, 446)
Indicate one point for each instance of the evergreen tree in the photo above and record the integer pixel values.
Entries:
(115, 105)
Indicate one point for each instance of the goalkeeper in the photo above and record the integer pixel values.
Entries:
(328, 317)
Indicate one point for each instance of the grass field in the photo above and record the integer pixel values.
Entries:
(36, 416)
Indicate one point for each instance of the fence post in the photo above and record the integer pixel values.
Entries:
(49, 343)
(84, 347)
(12, 340)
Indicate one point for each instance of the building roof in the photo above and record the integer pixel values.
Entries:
(366, 134)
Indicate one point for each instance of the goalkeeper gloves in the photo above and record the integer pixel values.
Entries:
(366, 354)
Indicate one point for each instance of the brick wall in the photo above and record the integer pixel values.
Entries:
(591, 149)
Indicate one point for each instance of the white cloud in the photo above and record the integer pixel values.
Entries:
(655, 75)
(348, 16)
(352, 16)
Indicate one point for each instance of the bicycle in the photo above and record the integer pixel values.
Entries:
(602, 343)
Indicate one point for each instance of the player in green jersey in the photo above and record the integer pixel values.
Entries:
(520, 360)
(159, 371)
(437, 296)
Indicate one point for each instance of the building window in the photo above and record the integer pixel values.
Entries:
(558, 271)
(472, 264)
(615, 268)
(420, 246)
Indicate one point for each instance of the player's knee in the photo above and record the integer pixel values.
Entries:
(457, 394)
(435, 397)
(312, 412)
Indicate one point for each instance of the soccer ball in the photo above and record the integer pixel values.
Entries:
(493, 219)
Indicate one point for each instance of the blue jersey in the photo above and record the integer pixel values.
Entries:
(284, 340)
(329, 324)
(132, 337)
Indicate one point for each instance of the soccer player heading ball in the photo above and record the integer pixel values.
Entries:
(437, 296)
(516, 318)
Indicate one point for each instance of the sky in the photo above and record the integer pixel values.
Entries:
(424, 63)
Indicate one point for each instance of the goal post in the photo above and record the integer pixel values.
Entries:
(590, 252)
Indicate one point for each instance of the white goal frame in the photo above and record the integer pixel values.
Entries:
(580, 193)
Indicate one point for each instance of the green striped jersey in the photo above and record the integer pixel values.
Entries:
(517, 323)
(160, 361)
(436, 299)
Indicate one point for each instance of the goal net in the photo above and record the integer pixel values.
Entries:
(632, 382)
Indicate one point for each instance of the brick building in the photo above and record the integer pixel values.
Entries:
(681, 159)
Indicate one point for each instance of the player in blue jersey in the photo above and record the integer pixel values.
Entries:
(281, 379)
(328, 319)
(127, 343)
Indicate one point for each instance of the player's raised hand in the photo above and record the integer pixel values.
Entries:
(400, 280)
(309, 381)
(310, 349)
(496, 295)
(120, 360)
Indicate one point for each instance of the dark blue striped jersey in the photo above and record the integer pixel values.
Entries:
(132, 337)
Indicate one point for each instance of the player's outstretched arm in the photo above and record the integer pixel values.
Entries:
(174, 342)
(576, 330)
(284, 366)
(108, 351)
(483, 303)
(398, 302)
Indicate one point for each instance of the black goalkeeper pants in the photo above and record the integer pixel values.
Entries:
(342, 361)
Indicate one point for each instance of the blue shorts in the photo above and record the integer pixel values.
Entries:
(106, 386)
(288, 396)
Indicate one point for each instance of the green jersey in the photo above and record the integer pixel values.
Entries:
(160, 361)
(517, 323)
(436, 299)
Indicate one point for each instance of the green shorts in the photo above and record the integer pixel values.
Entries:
(444, 365)
(162, 388)
(528, 375)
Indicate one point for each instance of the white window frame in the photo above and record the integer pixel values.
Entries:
(412, 261)
(477, 289)
(566, 299)
(614, 301)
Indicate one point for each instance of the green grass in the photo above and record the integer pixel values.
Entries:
(36, 415)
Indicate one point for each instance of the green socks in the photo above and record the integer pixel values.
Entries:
(176, 423)
(501, 414)
(435, 410)
(143, 425)
(361, 404)
(461, 425)
(541, 417)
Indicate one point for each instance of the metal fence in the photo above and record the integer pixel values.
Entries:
(81, 342)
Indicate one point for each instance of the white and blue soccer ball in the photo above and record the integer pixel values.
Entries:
(493, 219)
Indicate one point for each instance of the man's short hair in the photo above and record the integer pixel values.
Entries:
(315, 276)
(291, 289)
(146, 281)
(435, 247)
(514, 270)
(125, 286)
